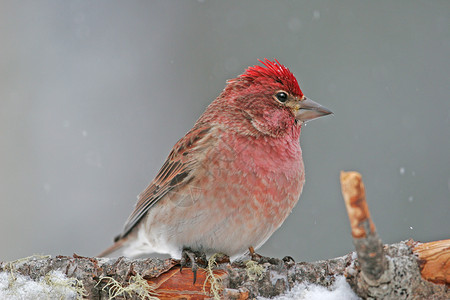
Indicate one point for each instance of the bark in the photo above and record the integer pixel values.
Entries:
(434, 260)
(268, 278)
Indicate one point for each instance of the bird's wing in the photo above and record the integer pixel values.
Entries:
(175, 173)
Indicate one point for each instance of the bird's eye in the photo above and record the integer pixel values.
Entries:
(281, 96)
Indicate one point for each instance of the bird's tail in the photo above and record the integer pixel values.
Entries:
(118, 244)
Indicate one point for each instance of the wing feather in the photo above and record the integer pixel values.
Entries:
(175, 173)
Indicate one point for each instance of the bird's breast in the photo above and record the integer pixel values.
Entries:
(264, 175)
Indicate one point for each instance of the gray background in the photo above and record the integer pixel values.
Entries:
(93, 95)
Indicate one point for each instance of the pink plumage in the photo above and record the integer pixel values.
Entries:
(233, 179)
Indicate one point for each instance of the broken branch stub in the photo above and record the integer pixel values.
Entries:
(368, 245)
(434, 260)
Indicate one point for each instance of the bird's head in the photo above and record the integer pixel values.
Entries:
(270, 97)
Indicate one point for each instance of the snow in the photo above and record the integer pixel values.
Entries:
(274, 276)
(47, 187)
(55, 285)
(294, 24)
(306, 291)
(316, 15)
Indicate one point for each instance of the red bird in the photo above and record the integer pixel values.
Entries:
(233, 179)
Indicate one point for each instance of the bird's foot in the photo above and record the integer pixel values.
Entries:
(195, 258)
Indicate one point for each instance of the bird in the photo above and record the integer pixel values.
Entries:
(234, 178)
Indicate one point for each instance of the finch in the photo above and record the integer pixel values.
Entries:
(233, 179)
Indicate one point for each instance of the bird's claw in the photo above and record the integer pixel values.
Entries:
(193, 257)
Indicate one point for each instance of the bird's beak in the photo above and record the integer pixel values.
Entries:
(309, 110)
